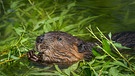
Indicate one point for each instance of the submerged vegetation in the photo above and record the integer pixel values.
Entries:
(22, 21)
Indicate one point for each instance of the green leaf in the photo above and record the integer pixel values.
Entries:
(106, 46)
(14, 57)
(24, 40)
(119, 64)
(19, 30)
(101, 57)
(110, 35)
(58, 69)
(36, 27)
(44, 74)
(95, 52)
(71, 68)
(71, 5)
(113, 71)
(74, 74)
(118, 45)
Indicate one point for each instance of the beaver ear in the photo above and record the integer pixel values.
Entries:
(81, 47)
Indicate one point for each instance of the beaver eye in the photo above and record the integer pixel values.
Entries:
(59, 39)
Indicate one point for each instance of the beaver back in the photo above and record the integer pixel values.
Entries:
(125, 38)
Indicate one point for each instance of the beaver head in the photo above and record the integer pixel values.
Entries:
(59, 47)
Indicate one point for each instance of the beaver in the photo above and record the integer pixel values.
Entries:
(62, 48)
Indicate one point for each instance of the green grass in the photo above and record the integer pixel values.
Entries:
(22, 21)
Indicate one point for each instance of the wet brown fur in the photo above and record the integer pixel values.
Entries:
(59, 47)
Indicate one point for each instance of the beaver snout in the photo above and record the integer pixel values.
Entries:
(40, 39)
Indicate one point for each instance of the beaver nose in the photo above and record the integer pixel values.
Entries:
(40, 39)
